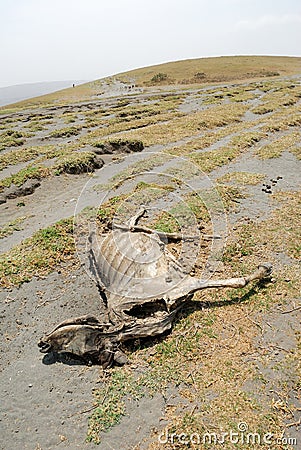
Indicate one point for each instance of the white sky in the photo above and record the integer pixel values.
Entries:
(47, 40)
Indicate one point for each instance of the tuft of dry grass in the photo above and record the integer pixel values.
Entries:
(76, 162)
(12, 138)
(188, 125)
(288, 142)
(283, 119)
(115, 126)
(25, 154)
(65, 132)
(209, 161)
(241, 178)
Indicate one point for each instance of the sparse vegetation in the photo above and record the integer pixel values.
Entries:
(220, 69)
(283, 119)
(159, 77)
(24, 174)
(247, 139)
(119, 146)
(65, 132)
(208, 161)
(77, 162)
(11, 138)
(38, 255)
(19, 155)
(12, 226)
(242, 178)
(188, 125)
(287, 142)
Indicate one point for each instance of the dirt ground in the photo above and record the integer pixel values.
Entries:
(46, 401)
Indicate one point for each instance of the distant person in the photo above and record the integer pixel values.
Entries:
(73, 85)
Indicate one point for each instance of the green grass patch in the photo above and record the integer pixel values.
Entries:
(38, 255)
(12, 138)
(19, 155)
(69, 118)
(65, 132)
(167, 223)
(68, 162)
(24, 174)
(196, 209)
(75, 163)
(35, 126)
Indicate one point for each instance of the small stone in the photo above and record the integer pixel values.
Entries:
(30, 385)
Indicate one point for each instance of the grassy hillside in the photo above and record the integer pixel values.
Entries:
(223, 68)
(191, 71)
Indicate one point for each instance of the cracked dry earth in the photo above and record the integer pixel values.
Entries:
(46, 401)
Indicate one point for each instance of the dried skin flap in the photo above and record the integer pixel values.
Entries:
(132, 265)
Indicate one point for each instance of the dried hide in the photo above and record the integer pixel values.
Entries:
(142, 286)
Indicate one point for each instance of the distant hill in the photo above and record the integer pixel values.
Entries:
(199, 71)
(13, 94)
(214, 69)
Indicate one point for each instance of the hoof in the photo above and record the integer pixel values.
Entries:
(268, 268)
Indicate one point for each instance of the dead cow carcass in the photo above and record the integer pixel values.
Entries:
(142, 287)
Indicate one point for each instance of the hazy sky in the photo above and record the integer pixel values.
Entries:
(87, 39)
